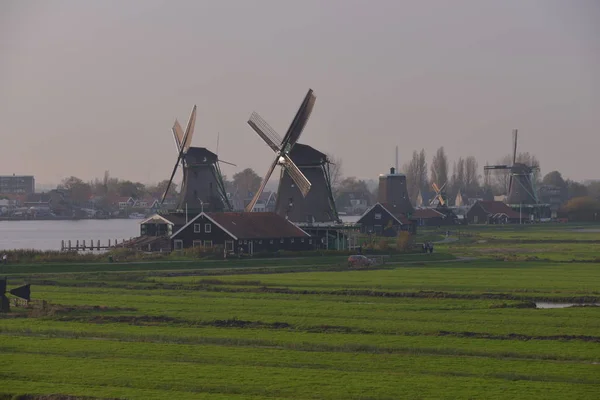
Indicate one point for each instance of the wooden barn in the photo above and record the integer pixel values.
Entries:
(242, 232)
(380, 221)
(494, 212)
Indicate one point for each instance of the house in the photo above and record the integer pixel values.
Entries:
(553, 196)
(147, 204)
(353, 203)
(124, 202)
(236, 232)
(242, 232)
(266, 202)
(494, 212)
(430, 217)
(380, 221)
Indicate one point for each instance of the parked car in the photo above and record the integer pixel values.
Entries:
(359, 261)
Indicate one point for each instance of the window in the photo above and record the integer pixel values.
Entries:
(245, 242)
(378, 216)
(476, 219)
(309, 241)
(197, 228)
(229, 245)
(260, 242)
(271, 241)
(292, 240)
(197, 243)
(302, 240)
(178, 244)
(281, 241)
(239, 242)
(207, 228)
(208, 243)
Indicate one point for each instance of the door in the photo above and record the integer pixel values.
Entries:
(250, 247)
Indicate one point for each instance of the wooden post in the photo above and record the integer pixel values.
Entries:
(98, 244)
(62, 245)
(69, 245)
(83, 244)
(77, 245)
(108, 243)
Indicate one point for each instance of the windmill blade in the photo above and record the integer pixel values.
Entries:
(299, 122)
(189, 130)
(177, 134)
(510, 180)
(297, 175)
(265, 131)
(515, 146)
(489, 167)
(252, 203)
(443, 186)
(226, 162)
(435, 187)
(171, 179)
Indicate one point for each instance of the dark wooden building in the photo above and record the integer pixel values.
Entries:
(434, 217)
(380, 221)
(242, 232)
(494, 212)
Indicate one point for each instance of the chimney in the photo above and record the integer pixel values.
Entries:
(392, 171)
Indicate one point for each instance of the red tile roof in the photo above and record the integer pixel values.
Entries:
(256, 225)
(424, 213)
(498, 207)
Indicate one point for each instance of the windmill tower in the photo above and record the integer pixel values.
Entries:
(521, 187)
(393, 193)
(202, 188)
(304, 194)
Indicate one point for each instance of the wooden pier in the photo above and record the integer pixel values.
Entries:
(76, 245)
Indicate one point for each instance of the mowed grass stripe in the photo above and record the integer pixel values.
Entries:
(251, 356)
(273, 381)
(332, 342)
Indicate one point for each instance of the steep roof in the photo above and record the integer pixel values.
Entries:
(252, 225)
(381, 206)
(177, 219)
(497, 207)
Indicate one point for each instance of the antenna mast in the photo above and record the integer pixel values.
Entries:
(396, 159)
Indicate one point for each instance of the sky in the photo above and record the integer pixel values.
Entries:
(89, 86)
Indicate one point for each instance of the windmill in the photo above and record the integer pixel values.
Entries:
(202, 188)
(521, 190)
(440, 197)
(304, 193)
(23, 292)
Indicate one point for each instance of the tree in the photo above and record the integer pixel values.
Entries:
(439, 167)
(594, 189)
(554, 178)
(335, 172)
(416, 175)
(157, 191)
(131, 189)
(79, 191)
(583, 209)
(575, 189)
(471, 176)
(247, 182)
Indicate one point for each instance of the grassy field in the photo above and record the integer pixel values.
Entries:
(419, 327)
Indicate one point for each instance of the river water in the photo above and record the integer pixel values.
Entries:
(47, 235)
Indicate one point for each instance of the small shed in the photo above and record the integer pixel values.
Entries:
(380, 221)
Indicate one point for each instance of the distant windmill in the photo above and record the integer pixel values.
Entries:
(202, 187)
(521, 190)
(440, 196)
(298, 199)
(24, 292)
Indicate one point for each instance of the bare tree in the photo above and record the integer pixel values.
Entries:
(335, 171)
(439, 167)
(416, 174)
(471, 176)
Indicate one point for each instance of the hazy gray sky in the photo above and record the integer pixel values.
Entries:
(87, 86)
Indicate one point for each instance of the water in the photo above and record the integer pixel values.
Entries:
(47, 235)
(562, 305)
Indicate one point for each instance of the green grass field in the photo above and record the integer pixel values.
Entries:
(418, 327)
